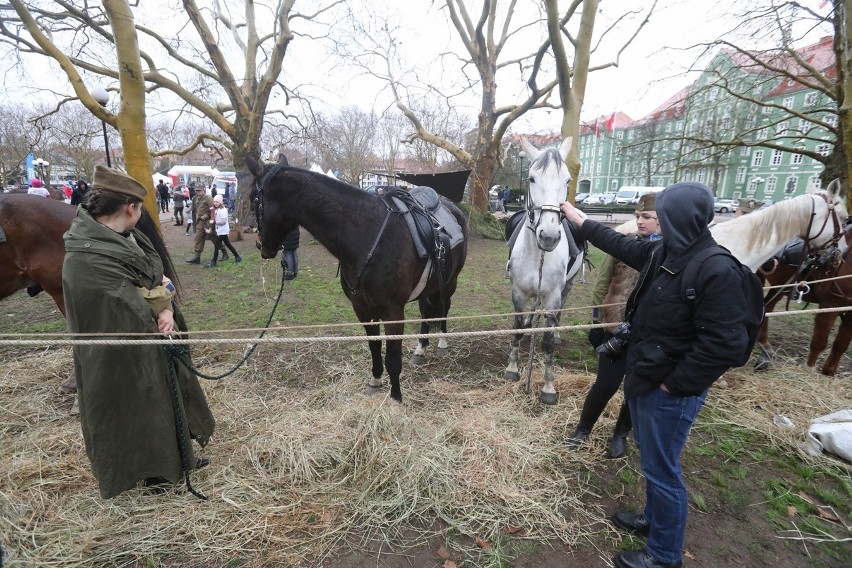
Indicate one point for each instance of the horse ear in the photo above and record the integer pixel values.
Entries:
(836, 188)
(254, 166)
(282, 160)
(565, 147)
(528, 150)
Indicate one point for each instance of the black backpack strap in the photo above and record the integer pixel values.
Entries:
(690, 273)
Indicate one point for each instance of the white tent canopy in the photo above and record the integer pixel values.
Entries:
(193, 171)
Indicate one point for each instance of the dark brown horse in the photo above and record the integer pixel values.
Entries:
(832, 294)
(32, 249)
(380, 268)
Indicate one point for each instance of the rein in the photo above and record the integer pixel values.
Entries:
(180, 354)
(353, 290)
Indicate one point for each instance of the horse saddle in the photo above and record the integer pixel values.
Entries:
(790, 254)
(433, 227)
(515, 225)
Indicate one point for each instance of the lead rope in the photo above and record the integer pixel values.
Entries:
(534, 323)
(177, 353)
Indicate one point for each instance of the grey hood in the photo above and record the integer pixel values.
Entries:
(685, 210)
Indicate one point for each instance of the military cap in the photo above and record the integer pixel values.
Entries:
(647, 202)
(109, 179)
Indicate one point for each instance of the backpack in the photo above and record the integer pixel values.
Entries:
(752, 289)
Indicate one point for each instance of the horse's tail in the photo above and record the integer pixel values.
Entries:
(146, 225)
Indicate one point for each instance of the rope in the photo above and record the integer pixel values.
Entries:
(358, 324)
(346, 338)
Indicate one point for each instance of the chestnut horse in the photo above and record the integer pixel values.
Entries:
(831, 294)
(32, 249)
(380, 268)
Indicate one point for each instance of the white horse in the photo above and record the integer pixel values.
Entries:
(816, 218)
(543, 259)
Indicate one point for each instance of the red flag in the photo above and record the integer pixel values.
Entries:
(610, 124)
(597, 128)
(822, 4)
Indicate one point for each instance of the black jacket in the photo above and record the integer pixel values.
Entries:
(685, 344)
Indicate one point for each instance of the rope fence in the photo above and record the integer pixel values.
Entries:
(66, 339)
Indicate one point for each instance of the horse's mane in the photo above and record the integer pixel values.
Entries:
(547, 157)
(147, 227)
(350, 200)
(784, 217)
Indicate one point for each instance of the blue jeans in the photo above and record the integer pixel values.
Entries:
(661, 425)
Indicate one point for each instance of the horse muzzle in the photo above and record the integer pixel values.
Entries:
(264, 253)
(548, 240)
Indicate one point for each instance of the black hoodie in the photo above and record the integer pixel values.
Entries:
(685, 344)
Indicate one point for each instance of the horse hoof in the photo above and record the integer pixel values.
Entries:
(548, 398)
(763, 362)
(371, 390)
(442, 351)
(512, 376)
(417, 359)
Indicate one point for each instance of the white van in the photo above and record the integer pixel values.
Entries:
(629, 195)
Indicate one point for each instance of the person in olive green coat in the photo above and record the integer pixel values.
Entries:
(113, 283)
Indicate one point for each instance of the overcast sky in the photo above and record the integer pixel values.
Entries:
(650, 70)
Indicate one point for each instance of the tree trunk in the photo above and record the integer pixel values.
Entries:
(130, 119)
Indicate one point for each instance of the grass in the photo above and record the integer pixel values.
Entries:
(304, 466)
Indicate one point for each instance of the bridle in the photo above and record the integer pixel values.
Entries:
(835, 220)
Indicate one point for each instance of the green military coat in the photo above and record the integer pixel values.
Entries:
(126, 410)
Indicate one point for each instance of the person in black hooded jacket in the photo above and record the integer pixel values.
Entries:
(676, 349)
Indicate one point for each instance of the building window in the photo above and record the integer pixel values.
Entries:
(810, 99)
(782, 127)
(614, 185)
(788, 102)
(741, 171)
(771, 184)
(815, 184)
(762, 133)
(750, 121)
(630, 135)
(831, 120)
(776, 158)
(745, 150)
(668, 127)
(824, 149)
(598, 168)
(796, 159)
(726, 122)
(766, 110)
(757, 158)
(620, 134)
(702, 174)
(752, 185)
(712, 94)
(790, 186)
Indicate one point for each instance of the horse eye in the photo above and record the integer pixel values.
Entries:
(531, 179)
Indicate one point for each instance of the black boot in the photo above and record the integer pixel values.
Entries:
(576, 440)
(618, 444)
(237, 258)
(225, 255)
(211, 264)
(194, 259)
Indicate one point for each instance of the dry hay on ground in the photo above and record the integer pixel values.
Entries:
(302, 462)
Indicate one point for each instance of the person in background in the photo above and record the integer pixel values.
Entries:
(214, 191)
(289, 257)
(222, 228)
(614, 283)
(231, 194)
(113, 283)
(37, 188)
(675, 349)
(177, 199)
(163, 194)
(80, 191)
(202, 208)
(746, 205)
(507, 194)
(67, 191)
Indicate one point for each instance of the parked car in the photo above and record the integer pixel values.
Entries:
(725, 205)
(581, 198)
(607, 198)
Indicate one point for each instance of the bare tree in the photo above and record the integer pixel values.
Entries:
(493, 44)
(344, 142)
(194, 67)
(748, 79)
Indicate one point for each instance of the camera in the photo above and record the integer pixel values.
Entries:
(614, 346)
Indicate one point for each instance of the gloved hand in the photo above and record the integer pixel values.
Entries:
(597, 336)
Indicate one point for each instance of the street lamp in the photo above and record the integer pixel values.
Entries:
(102, 96)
